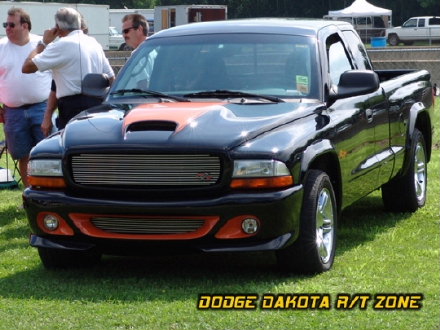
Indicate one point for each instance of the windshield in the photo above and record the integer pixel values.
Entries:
(262, 64)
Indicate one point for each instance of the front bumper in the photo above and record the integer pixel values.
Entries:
(278, 214)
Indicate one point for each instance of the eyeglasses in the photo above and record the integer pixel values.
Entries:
(11, 24)
(125, 31)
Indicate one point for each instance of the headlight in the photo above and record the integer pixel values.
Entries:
(45, 167)
(260, 174)
(46, 174)
(259, 168)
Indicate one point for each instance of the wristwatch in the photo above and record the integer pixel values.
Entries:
(41, 42)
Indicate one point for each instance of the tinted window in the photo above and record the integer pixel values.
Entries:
(338, 61)
(410, 23)
(358, 50)
(434, 21)
(280, 65)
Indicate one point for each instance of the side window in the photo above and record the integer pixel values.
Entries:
(421, 22)
(358, 50)
(434, 21)
(410, 23)
(337, 59)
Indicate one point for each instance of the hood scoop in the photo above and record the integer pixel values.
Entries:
(152, 125)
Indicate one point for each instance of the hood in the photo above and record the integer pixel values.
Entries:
(187, 124)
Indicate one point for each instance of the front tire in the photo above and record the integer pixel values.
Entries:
(314, 250)
(55, 258)
(393, 39)
(408, 192)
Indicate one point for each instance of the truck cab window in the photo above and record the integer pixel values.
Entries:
(338, 61)
(410, 23)
(358, 50)
(434, 21)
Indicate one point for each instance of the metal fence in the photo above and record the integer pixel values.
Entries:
(418, 58)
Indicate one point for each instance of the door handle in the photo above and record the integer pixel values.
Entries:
(369, 115)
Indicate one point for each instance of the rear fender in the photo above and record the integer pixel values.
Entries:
(418, 118)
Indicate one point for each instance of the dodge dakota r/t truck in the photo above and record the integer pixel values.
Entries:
(231, 136)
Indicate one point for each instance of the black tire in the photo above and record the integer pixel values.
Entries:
(54, 258)
(407, 193)
(314, 250)
(393, 39)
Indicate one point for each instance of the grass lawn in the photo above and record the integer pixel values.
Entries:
(378, 253)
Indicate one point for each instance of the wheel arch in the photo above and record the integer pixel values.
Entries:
(418, 119)
(423, 124)
(322, 156)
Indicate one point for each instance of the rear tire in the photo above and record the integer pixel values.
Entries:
(54, 258)
(314, 250)
(407, 193)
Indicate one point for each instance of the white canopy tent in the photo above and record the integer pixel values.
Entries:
(367, 19)
(360, 8)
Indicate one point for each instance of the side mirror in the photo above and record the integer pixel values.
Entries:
(95, 85)
(354, 83)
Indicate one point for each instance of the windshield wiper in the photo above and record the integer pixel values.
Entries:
(224, 93)
(148, 92)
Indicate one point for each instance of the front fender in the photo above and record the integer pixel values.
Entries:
(323, 156)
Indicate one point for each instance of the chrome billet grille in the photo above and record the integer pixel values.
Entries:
(147, 226)
(145, 170)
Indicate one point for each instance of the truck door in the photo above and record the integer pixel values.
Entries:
(377, 111)
(354, 129)
(413, 29)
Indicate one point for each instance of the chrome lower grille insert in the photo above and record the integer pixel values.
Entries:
(147, 226)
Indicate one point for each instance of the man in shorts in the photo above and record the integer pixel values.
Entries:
(23, 97)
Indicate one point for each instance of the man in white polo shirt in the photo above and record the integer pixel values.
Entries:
(70, 58)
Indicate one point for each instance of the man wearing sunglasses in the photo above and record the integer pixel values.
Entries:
(23, 96)
(134, 29)
(70, 58)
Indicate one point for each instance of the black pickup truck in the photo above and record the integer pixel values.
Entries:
(240, 135)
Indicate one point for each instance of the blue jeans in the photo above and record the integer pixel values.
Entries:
(23, 128)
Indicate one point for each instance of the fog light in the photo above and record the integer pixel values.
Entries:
(249, 225)
(50, 222)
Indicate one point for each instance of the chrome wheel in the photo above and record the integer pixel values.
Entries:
(420, 171)
(406, 193)
(314, 249)
(324, 225)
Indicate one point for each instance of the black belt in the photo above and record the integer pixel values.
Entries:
(69, 97)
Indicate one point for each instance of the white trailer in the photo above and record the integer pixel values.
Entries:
(169, 16)
(42, 17)
(116, 16)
